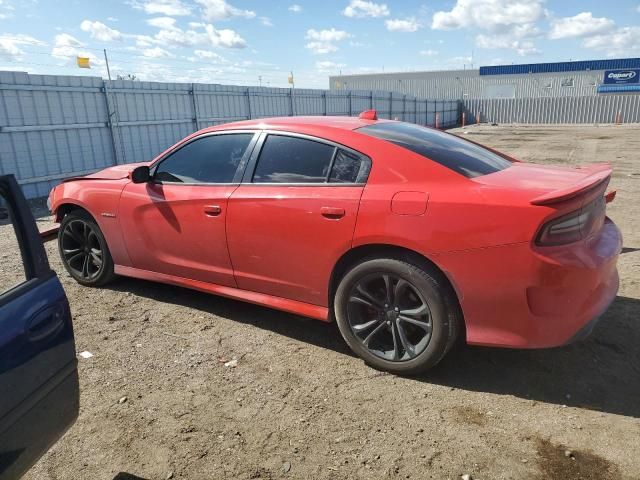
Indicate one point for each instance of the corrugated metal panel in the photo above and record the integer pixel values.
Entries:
(53, 127)
(605, 109)
(609, 64)
(469, 84)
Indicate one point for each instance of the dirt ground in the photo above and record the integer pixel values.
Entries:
(300, 405)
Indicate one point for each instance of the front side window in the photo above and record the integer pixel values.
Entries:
(293, 160)
(463, 157)
(210, 159)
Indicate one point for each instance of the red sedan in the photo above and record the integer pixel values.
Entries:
(407, 236)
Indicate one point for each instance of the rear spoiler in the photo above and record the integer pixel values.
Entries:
(599, 174)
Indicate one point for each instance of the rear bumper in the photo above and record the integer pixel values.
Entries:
(535, 297)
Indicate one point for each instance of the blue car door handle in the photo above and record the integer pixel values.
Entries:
(45, 323)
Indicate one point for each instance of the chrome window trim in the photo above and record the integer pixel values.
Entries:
(247, 178)
(237, 177)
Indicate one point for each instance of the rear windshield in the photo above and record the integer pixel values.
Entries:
(464, 157)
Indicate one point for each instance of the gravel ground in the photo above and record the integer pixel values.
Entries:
(157, 400)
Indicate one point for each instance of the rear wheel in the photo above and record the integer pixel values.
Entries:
(84, 251)
(397, 315)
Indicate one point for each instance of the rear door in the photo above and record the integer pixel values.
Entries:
(39, 393)
(294, 215)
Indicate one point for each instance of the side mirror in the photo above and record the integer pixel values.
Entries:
(140, 174)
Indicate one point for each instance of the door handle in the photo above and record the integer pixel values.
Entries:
(332, 212)
(212, 210)
(46, 323)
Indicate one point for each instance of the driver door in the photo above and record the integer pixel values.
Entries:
(39, 392)
(175, 224)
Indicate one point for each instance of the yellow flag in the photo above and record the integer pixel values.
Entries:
(83, 62)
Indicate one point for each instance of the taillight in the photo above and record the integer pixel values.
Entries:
(573, 226)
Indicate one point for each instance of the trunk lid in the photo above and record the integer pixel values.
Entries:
(549, 184)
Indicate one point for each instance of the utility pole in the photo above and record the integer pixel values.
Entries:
(260, 80)
(115, 108)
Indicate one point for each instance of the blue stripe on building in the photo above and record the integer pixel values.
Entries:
(584, 65)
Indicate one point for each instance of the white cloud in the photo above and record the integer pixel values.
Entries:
(10, 45)
(67, 48)
(399, 25)
(100, 31)
(225, 38)
(331, 35)
(363, 8)
(493, 15)
(266, 21)
(172, 8)
(522, 47)
(324, 41)
(157, 52)
(327, 66)
(206, 35)
(320, 47)
(214, 10)
(581, 25)
(208, 55)
(166, 23)
(295, 8)
(429, 53)
(624, 41)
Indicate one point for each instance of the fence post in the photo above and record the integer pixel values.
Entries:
(415, 109)
(371, 100)
(324, 103)
(463, 118)
(291, 101)
(404, 107)
(110, 123)
(390, 105)
(350, 105)
(194, 107)
(248, 94)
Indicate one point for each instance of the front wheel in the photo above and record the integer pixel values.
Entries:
(397, 315)
(84, 251)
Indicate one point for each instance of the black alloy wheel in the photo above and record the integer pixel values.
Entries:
(81, 250)
(390, 317)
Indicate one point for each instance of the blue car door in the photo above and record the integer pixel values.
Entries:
(39, 393)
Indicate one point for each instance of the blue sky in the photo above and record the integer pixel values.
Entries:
(250, 42)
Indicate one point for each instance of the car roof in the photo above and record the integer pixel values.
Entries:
(294, 123)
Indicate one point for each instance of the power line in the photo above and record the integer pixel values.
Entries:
(167, 59)
(175, 73)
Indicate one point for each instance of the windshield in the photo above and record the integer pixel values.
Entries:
(463, 157)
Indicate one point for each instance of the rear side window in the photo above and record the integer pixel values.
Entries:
(210, 159)
(293, 160)
(463, 157)
(349, 168)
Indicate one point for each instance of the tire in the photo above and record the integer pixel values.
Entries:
(427, 318)
(80, 238)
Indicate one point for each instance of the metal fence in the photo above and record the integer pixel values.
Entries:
(53, 127)
(601, 109)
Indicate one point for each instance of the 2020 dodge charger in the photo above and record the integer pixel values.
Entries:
(409, 237)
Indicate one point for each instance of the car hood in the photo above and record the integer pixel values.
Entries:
(545, 184)
(112, 173)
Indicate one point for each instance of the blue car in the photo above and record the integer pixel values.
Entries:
(39, 391)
